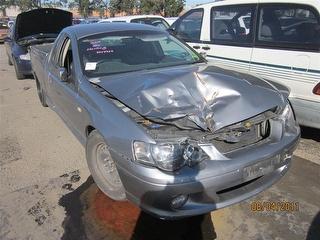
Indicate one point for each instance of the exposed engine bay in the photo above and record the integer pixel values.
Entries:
(225, 140)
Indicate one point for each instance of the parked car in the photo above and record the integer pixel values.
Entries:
(153, 20)
(92, 20)
(162, 127)
(280, 44)
(30, 28)
(76, 21)
(3, 31)
(10, 23)
(171, 20)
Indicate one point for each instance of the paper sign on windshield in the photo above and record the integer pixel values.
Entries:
(91, 66)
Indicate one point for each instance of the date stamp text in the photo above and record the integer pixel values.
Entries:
(270, 206)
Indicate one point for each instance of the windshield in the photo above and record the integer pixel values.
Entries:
(128, 51)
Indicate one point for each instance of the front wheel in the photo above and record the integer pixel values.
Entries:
(103, 168)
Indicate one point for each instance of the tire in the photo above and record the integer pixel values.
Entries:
(19, 75)
(103, 168)
(41, 94)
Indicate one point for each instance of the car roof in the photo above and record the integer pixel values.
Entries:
(129, 18)
(233, 2)
(83, 30)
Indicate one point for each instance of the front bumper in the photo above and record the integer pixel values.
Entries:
(211, 185)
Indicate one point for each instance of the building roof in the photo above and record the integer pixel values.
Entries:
(233, 2)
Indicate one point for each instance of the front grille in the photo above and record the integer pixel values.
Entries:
(239, 186)
(242, 134)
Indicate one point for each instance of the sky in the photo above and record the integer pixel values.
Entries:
(195, 2)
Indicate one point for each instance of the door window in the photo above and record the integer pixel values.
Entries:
(54, 55)
(66, 59)
(232, 25)
(188, 27)
(289, 26)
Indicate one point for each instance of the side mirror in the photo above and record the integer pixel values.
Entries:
(203, 54)
(63, 74)
(171, 31)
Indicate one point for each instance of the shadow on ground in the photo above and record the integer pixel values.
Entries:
(310, 133)
(92, 215)
(26, 78)
(314, 230)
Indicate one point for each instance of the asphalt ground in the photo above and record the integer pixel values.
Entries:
(46, 191)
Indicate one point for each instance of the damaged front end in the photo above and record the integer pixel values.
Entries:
(199, 119)
(176, 148)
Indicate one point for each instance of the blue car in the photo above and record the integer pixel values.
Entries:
(34, 27)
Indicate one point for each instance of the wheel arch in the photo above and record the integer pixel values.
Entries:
(89, 130)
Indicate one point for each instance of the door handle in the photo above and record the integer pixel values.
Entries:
(206, 48)
(196, 47)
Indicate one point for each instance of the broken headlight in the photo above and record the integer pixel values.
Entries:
(288, 117)
(168, 156)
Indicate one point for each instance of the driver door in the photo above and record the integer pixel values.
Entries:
(63, 90)
(231, 36)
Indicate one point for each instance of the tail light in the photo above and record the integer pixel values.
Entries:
(316, 89)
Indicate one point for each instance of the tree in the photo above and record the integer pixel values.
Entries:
(5, 4)
(168, 8)
(26, 5)
(85, 7)
(151, 6)
(102, 7)
(115, 6)
(128, 6)
(172, 8)
(54, 3)
(118, 6)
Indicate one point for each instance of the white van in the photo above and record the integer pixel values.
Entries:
(277, 40)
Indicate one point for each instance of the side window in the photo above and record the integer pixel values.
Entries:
(173, 51)
(54, 57)
(232, 25)
(289, 26)
(188, 27)
(66, 59)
